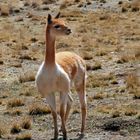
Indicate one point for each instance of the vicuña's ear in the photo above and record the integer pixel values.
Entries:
(49, 19)
(58, 15)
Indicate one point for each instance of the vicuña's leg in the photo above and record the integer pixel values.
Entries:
(63, 103)
(82, 97)
(51, 101)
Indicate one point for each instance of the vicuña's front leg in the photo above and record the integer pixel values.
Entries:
(63, 103)
(52, 103)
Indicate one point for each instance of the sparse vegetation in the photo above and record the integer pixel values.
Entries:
(37, 109)
(24, 136)
(116, 114)
(99, 96)
(27, 77)
(75, 111)
(26, 123)
(2, 130)
(15, 128)
(130, 112)
(16, 102)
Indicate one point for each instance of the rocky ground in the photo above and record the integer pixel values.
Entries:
(106, 33)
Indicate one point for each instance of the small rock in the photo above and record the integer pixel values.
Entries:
(19, 19)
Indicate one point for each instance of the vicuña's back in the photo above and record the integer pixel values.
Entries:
(72, 64)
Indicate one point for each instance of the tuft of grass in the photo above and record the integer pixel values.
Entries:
(130, 112)
(15, 128)
(37, 109)
(135, 5)
(14, 112)
(114, 82)
(26, 123)
(25, 136)
(2, 130)
(101, 53)
(95, 66)
(25, 56)
(27, 77)
(16, 102)
(87, 56)
(137, 94)
(97, 81)
(132, 81)
(105, 109)
(17, 112)
(116, 114)
(75, 111)
(5, 9)
(99, 96)
(65, 4)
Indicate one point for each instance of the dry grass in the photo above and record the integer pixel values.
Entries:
(135, 6)
(15, 112)
(136, 93)
(124, 58)
(75, 111)
(2, 130)
(27, 77)
(130, 112)
(116, 114)
(104, 109)
(101, 52)
(132, 81)
(5, 9)
(98, 80)
(95, 66)
(26, 123)
(15, 128)
(99, 96)
(24, 136)
(87, 56)
(37, 109)
(16, 102)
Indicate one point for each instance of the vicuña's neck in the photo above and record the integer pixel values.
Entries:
(50, 49)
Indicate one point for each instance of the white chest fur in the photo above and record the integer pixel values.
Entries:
(51, 80)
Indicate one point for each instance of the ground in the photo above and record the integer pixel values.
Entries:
(105, 33)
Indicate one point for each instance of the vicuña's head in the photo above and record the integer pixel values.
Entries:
(57, 27)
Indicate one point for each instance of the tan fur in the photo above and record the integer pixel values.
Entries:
(69, 62)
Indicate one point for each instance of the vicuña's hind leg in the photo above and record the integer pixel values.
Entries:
(80, 88)
(69, 103)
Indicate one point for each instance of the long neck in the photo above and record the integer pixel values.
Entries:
(50, 49)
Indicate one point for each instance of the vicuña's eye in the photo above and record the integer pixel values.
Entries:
(57, 26)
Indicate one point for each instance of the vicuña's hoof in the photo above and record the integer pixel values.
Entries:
(80, 135)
